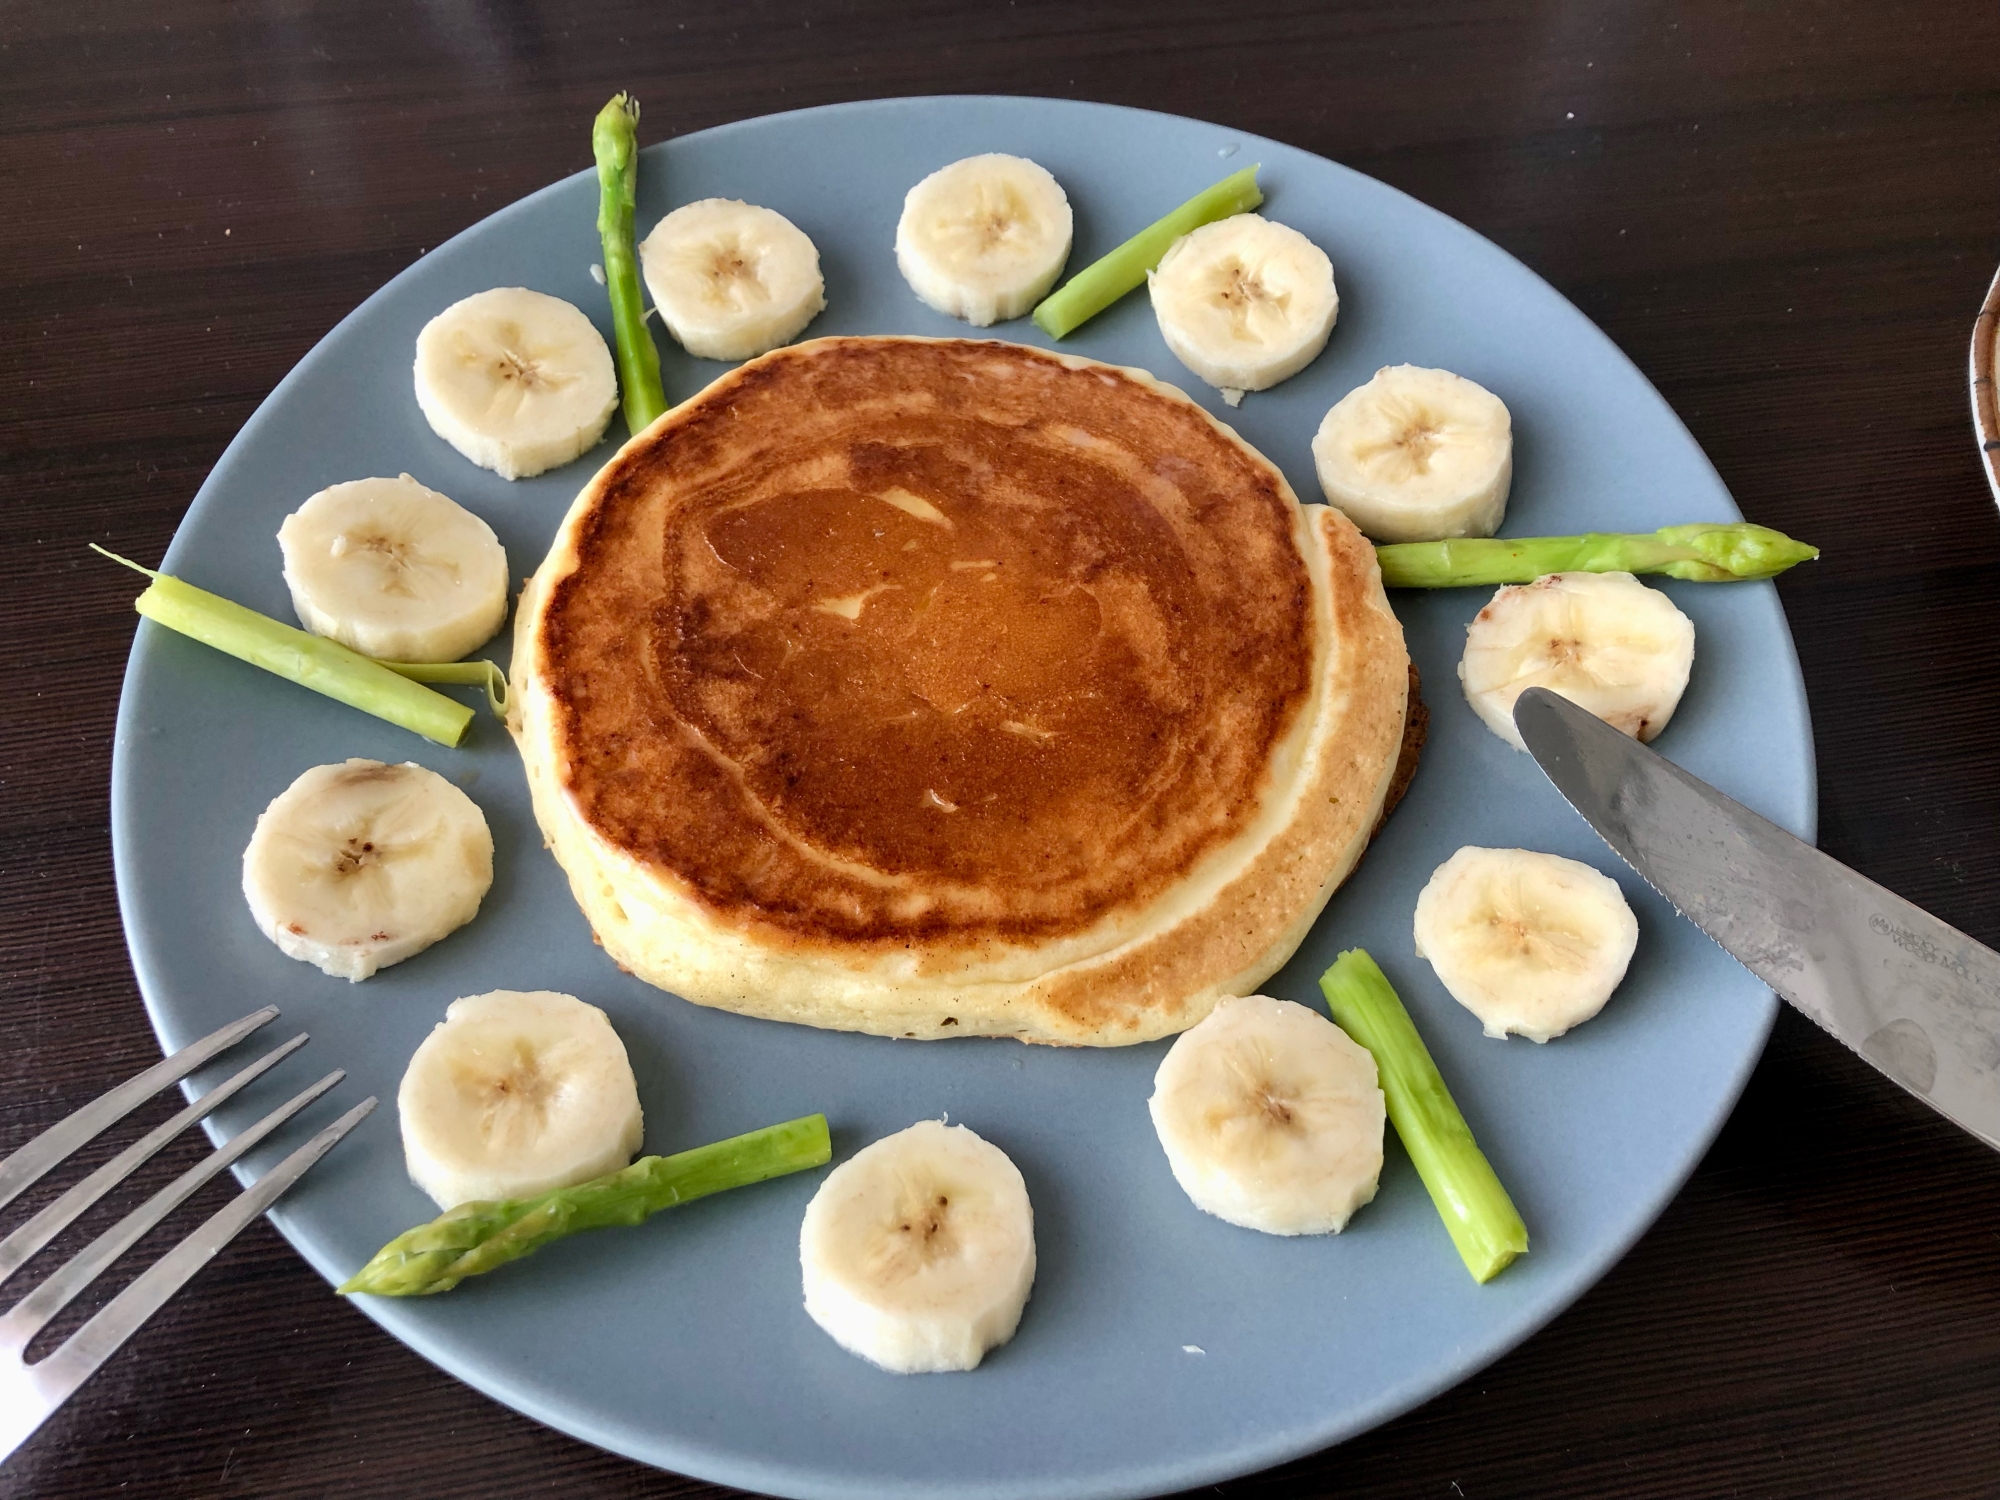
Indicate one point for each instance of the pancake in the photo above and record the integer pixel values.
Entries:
(949, 687)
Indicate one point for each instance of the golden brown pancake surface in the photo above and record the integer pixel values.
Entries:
(930, 664)
(916, 659)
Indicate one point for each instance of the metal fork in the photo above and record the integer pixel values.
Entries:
(30, 1392)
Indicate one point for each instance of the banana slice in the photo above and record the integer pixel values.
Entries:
(1417, 455)
(1530, 943)
(984, 238)
(517, 381)
(919, 1251)
(395, 570)
(1604, 641)
(731, 280)
(516, 1093)
(1271, 1117)
(357, 866)
(1244, 302)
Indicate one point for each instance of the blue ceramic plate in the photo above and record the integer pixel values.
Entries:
(1162, 1348)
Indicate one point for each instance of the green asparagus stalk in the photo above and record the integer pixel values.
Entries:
(311, 661)
(476, 1237)
(1111, 276)
(1475, 1207)
(1706, 552)
(460, 674)
(614, 141)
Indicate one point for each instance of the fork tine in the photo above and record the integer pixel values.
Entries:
(34, 1391)
(52, 1145)
(33, 1312)
(58, 1215)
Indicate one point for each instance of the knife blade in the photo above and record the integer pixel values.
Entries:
(1914, 996)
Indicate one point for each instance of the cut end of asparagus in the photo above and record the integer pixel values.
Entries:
(1481, 1218)
(298, 656)
(482, 674)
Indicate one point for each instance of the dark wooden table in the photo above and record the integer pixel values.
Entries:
(1785, 212)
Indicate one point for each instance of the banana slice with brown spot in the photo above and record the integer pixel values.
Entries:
(517, 1093)
(1271, 1117)
(1604, 641)
(984, 238)
(357, 866)
(1417, 455)
(518, 381)
(1532, 944)
(732, 280)
(918, 1252)
(1244, 302)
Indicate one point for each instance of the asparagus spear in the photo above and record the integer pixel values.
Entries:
(462, 674)
(614, 141)
(476, 1237)
(310, 660)
(1111, 276)
(1705, 552)
(1475, 1207)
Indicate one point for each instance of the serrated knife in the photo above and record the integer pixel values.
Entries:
(1915, 997)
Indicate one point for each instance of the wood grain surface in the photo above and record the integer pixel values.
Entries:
(1785, 213)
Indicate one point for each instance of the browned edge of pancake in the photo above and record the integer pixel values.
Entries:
(1259, 919)
(1416, 729)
